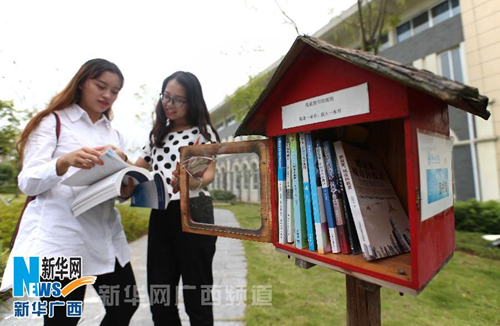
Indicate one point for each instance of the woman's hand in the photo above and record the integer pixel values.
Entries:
(83, 158)
(195, 182)
(127, 189)
(174, 181)
(115, 149)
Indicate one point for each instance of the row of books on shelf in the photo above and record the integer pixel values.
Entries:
(337, 198)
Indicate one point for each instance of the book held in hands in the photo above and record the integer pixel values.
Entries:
(103, 182)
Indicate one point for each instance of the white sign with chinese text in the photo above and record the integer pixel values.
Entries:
(340, 104)
(436, 180)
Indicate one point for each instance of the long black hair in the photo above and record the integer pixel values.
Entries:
(197, 114)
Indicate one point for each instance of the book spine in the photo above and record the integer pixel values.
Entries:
(352, 198)
(298, 195)
(290, 224)
(336, 195)
(320, 224)
(311, 238)
(281, 188)
(349, 221)
(327, 202)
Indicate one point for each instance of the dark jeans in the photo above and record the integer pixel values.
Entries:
(172, 254)
(118, 292)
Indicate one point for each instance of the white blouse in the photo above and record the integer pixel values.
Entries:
(48, 227)
(164, 159)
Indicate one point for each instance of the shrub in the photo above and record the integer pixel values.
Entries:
(9, 188)
(222, 195)
(8, 173)
(135, 221)
(9, 217)
(475, 216)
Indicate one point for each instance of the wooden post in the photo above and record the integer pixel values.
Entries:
(363, 303)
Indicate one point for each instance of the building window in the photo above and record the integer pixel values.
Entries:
(246, 177)
(219, 126)
(434, 16)
(450, 65)
(420, 23)
(237, 178)
(403, 31)
(465, 168)
(230, 121)
(384, 42)
(255, 176)
(455, 7)
(224, 180)
(441, 12)
(216, 179)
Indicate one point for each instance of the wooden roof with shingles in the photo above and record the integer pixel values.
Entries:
(454, 93)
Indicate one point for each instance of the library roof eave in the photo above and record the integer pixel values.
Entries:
(454, 93)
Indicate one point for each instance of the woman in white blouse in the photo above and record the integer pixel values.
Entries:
(182, 119)
(82, 113)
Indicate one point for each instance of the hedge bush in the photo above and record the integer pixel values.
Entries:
(475, 216)
(8, 188)
(222, 195)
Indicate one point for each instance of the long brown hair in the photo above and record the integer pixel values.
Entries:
(91, 69)
(197, 114)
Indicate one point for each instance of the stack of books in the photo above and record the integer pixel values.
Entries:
(334, 197)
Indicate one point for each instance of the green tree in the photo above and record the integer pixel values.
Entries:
(10, 121)
(245, 96)
(371, 22)
(7, 173)
(9, 130)
(147, 103)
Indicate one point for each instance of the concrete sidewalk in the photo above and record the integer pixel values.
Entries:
(229, 292)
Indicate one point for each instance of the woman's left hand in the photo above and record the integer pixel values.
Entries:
(114, 148)
(127, 190)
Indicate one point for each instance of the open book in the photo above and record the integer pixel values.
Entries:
(104, 182)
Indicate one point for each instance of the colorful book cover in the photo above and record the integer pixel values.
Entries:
(298, 194)
(336, 197)
(311, 237)
(281, 148)
(318, 208)
(290, 220)
(381, 222)
(327, 201)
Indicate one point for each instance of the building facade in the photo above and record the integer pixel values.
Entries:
(456, 39)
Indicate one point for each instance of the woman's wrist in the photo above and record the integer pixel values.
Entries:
(61, 166)
(200, 185)
(122, 155)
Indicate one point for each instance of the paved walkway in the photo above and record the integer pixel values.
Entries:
(229, 267)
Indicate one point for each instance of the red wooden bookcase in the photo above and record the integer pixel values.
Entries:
(402, 102)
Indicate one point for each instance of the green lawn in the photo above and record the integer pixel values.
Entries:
(465, 292)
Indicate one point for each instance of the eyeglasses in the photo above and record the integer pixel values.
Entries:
(176, 102)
